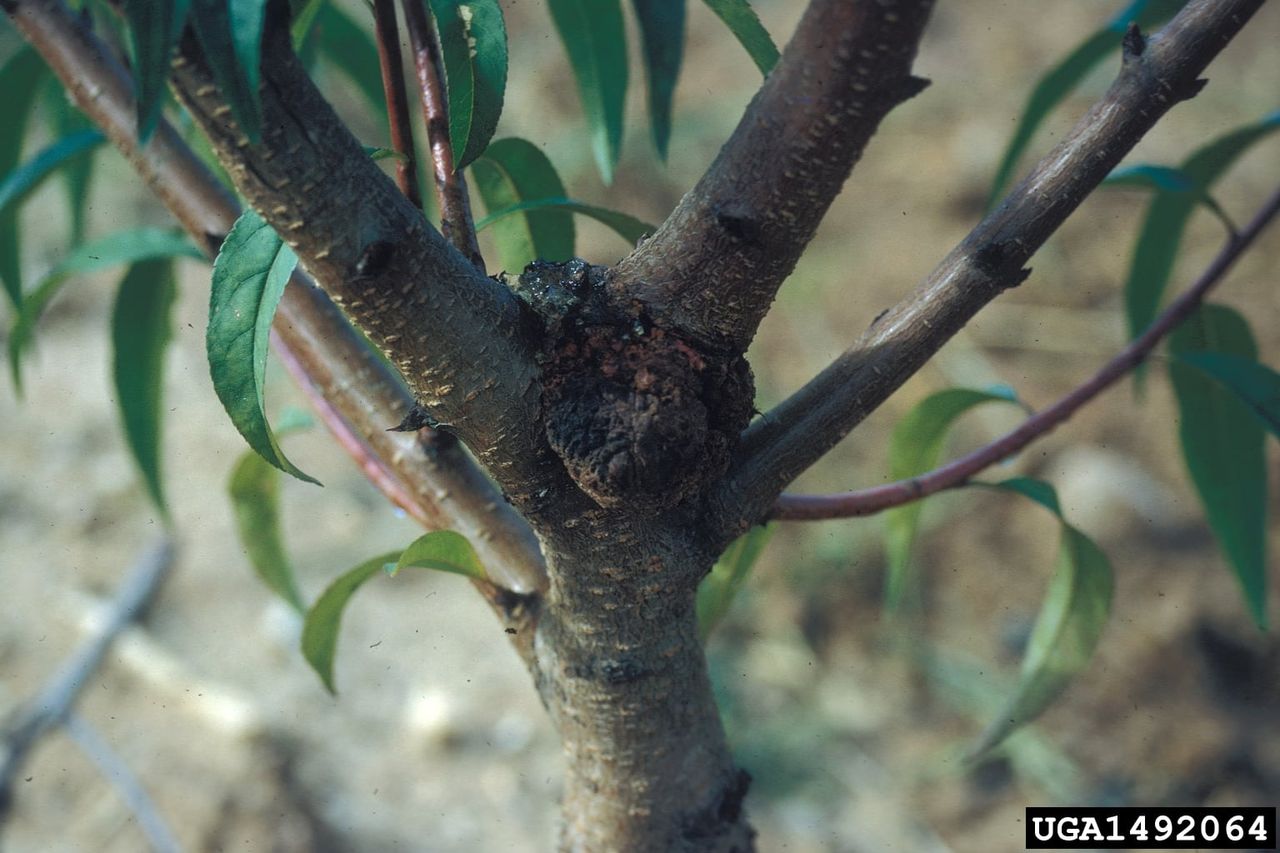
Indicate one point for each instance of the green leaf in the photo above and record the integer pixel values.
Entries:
(349, 46)
(473, 45)
(1058, 82)
(1167, 179)
(78, 172)
(1037, 490)
(19, 82)
(1222, 443)
(254, 488)
(916, 447)
(249, 276)
(718, 588)
(384, 153)
(154, 28)
(140, 333)
(624, 225)
(123, 247)
(1167, 216)
(662, 36)
(230, 34)
(1066, 632)
(742, 21)
(1257, 385)
(514, 171)
(20, 183)
(595, 39)
(442, 550)
(303, 14)
(320, 629)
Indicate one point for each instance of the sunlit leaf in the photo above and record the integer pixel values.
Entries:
(254, 488)
(19, 82)
(1058, 82)
(596, 41)
(662, 36)
(916, 447)
(320, 629)
(154, 28)
(624, 225)
(1222, 443)
(1257, 385)
(140, 328)
(1065, 635)
(249, 277)
(384, 153)
(1161, 234)
(303, 14)
(123, 247)
(442, 550)
(745, 25)
(473, 44)
(512, 172)
(721, 585)
(230, 35)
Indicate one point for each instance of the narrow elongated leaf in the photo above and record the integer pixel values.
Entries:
(1058, 82)
(595, 39)
(77, 173)
(154, 28)
(140, 328)
(19, 82)
(916, 447)
(514, 171)
(320, 629)
(1066, 632)
(742, 21)
(717, 590)
(624, 225)
(1166, 179)
(123, 247)
(303, 14)
(350, 47)
(254, 488)
(1222, 443)
(662, 36)
(442, 550)
(230, 34)
(249, 276)
(1257, 385)
(473, 44)
(21, 182)
(1167, 216)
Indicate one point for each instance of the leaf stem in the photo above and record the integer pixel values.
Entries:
(958, 472)
(388, 39)
(451, 187)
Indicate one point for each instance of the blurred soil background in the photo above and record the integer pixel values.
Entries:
(853, 726)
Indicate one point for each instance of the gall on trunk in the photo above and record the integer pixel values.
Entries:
(640, 415)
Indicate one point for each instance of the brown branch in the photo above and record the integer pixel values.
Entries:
(388, 38)
(1155, 74)
(959, 471)
(714, 266)
(451, 187)
(353, 381)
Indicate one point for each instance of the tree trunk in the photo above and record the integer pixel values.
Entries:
(621, 669)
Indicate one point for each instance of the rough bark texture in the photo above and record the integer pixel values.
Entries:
(607, 405)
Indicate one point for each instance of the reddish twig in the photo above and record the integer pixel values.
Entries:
(959, 471)
(388, 37)
(456, 223)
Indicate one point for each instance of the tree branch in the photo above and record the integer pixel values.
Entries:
(1155, 74)
(959, 471)
(714, 266)
(388, 38)
(457, 337)
(367, 396)
(451, 187)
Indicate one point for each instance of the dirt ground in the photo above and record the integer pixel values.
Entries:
(853, 727)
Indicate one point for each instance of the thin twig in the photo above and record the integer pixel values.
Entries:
(50, 707)
(451, 187)
(959, 471)
(122, 778)
(388, 38)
